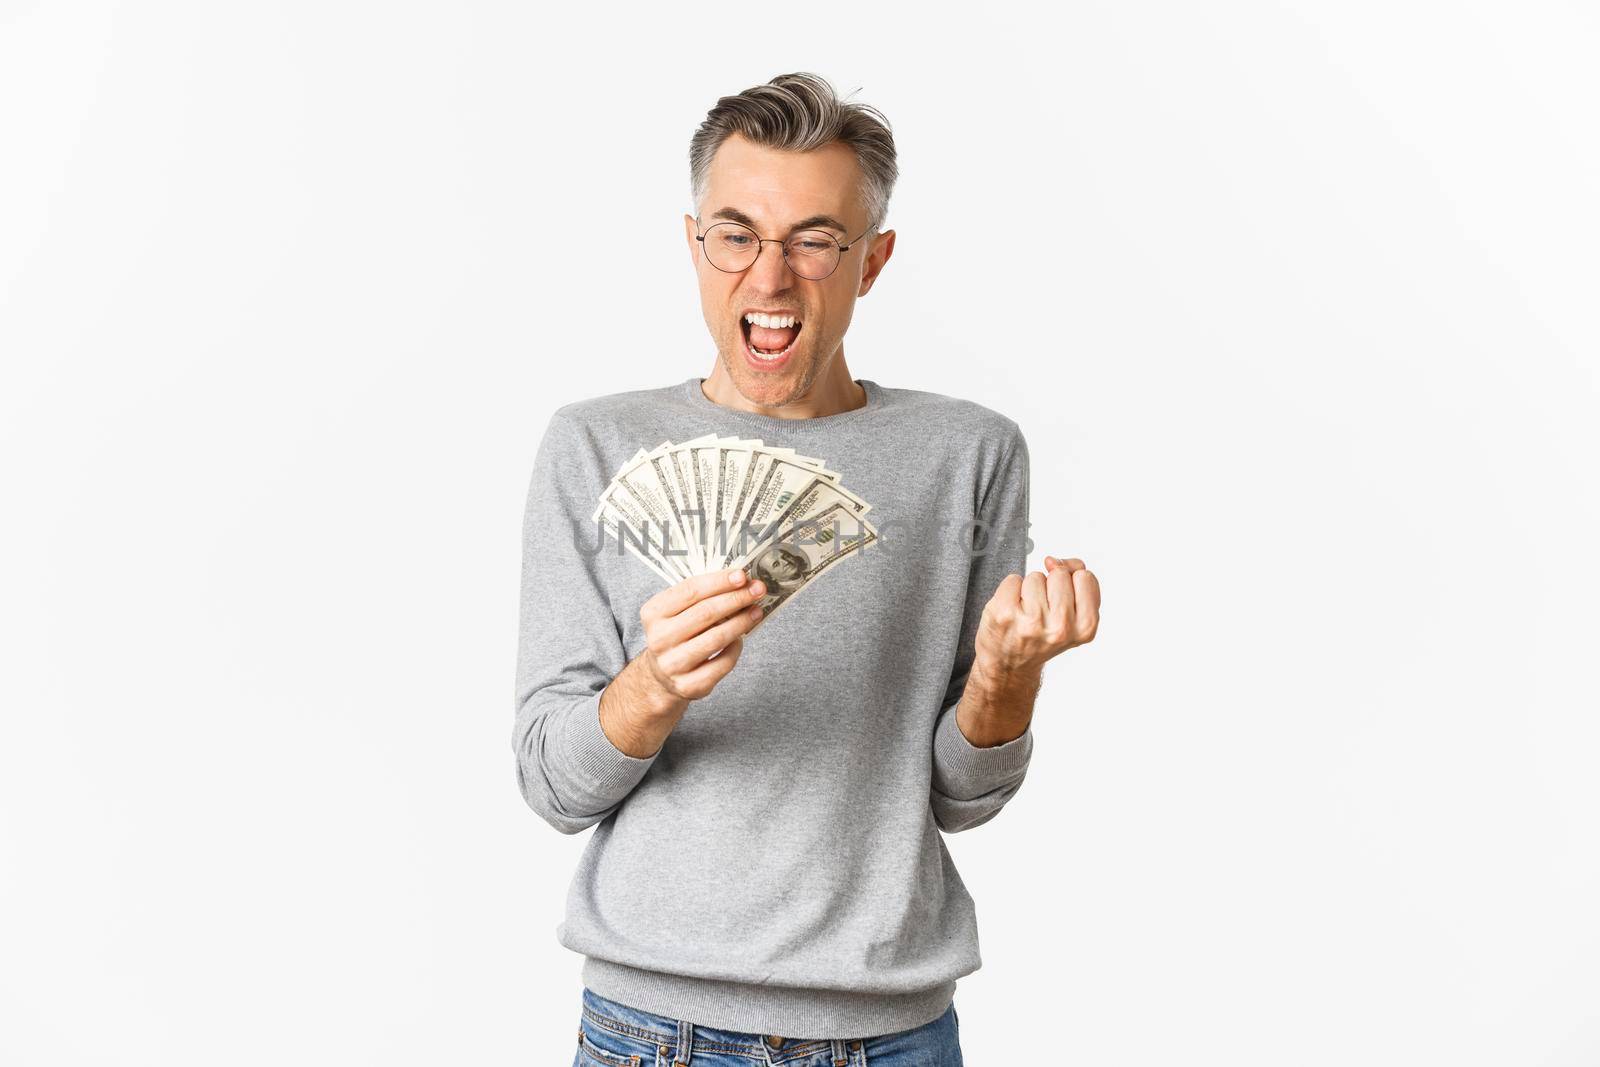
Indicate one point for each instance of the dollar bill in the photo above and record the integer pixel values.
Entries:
(797, 555)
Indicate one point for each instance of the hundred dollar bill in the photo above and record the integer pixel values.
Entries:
(607, 511)
(737, 490)
(610, 526)
(792, 559)
(771, 487)
(641, 496)
(676, 471)
(791, 506)
(733, 467)
(789, 454)
(622, 519)
(703, 470)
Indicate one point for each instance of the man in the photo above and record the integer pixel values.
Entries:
(767, 869)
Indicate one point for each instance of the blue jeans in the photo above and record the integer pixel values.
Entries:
(615, 1035)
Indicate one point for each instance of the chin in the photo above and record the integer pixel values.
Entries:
(768, 387)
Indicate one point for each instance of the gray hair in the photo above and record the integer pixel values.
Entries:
(800, 112)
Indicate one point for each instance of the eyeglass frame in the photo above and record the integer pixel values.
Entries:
(760, 240)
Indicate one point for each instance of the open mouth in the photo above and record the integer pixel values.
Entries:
(770, 338)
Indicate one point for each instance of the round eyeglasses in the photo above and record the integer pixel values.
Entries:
(811, 254)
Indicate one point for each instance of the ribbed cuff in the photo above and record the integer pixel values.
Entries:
(601, 769)
(964, 771)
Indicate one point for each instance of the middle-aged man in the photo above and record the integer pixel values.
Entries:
(766, 882)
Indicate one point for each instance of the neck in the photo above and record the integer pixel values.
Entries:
(833, 392)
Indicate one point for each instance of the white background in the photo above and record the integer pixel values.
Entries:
(1295, 303)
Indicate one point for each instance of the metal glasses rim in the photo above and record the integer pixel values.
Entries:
(782, 243)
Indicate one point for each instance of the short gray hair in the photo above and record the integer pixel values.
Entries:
(800, 112)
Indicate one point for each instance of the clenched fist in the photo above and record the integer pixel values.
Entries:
(1029, 620)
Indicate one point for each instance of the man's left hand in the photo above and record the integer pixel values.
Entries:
(1031, 619)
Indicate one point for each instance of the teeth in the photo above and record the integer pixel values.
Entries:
(770, 322)
(759, 354)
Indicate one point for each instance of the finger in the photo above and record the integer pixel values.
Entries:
(714, 670)
(698, 649)
(1086, 588)
(1035, 599)
(674, 599)
(1060, 590)
(702, 615)
(1007, 598)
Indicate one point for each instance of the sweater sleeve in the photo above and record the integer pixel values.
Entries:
(971, 784)
(568, 648)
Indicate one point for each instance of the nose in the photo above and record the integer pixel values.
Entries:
(771, 271)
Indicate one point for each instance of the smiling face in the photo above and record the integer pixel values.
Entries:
(775, 193)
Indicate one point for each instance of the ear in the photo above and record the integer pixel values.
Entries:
(877, 256)
(689, 229)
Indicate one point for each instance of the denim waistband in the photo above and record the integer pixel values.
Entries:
(683, 1039)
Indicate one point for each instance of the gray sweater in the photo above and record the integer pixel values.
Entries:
(777, 866)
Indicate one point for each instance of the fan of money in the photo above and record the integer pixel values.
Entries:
(716, 503)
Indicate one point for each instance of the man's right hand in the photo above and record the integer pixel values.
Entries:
(694, 633)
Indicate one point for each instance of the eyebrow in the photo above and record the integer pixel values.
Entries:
(733, 214)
